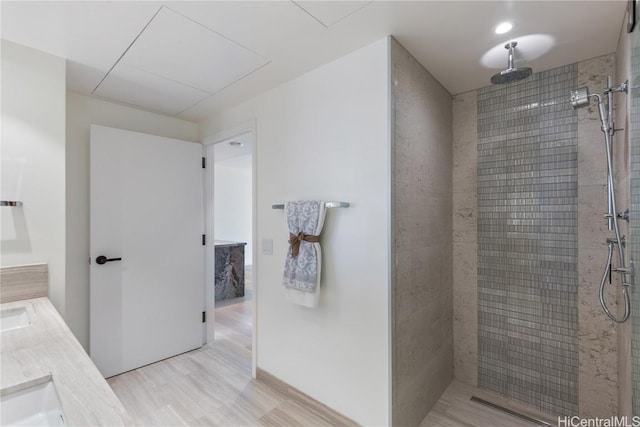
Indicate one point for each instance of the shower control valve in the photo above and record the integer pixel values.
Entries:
(613, 240)
(624, 215)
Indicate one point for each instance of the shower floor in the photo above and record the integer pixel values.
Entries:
(455, 409)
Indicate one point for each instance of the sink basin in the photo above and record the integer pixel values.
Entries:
(35, 403)
(13, 318)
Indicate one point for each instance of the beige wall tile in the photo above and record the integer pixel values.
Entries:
(592, 165)
(465, 220)
(465, 237)
(422, 352)
(465, 142)
(465, 312)
(621, 152)
(597, 341)
(592, 227)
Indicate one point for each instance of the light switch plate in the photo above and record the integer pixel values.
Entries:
(267, 246)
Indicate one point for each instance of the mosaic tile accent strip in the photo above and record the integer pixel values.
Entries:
(634, 222)
(528, 241)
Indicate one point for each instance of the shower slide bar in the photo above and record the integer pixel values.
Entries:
(582, 98)
(326, 205)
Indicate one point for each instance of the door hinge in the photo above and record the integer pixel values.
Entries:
(204, 163)
(204, 317)
(204, 240)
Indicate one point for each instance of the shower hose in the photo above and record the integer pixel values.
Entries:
(618, 240)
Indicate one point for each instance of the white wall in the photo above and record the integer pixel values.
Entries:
(232, 202)
(83, 111)
(325, 136)
(33, 162)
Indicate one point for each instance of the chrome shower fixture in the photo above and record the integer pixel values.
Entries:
(511, 74)
(580, 97)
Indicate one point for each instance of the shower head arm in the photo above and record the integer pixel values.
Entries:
(510, 58)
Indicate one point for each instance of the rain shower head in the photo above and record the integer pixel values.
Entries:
(511, 74)
(580, 98)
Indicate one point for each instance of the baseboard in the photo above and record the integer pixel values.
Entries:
(331, 416)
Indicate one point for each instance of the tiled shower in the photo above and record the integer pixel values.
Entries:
(528, 240)
(529, 195)
(528, 188)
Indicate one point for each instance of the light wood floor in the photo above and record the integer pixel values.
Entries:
(212, 386)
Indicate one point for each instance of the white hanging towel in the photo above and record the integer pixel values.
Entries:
(302, 267)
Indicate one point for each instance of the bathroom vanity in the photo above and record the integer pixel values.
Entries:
(229, 269)
(46, 377)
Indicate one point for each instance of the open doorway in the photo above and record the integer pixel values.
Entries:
(232, 207)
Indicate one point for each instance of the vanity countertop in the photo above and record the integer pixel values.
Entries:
(47, 347)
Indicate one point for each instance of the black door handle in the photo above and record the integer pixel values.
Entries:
(103, 259)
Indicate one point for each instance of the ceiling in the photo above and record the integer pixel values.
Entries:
(190, 59)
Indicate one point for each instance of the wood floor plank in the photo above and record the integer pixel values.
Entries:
(164, 416)
(292, 414)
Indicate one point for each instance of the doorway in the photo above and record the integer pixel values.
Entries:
(230, 223)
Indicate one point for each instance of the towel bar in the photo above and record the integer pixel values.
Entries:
(10, 203)
(326, 205)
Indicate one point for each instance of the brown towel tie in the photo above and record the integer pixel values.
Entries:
(294, 241)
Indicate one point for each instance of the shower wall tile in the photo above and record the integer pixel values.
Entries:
(592, 168)
(598, 358)
(465, 142)
(634, 196)
(592, 205)
(597, 338)
(465, 312)
(421, 228)
(621, 167)
(598, 392)
(527, 186)
(465, 238)
(465, 221)
(622, 149)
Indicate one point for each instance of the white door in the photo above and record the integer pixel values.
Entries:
(146, 208)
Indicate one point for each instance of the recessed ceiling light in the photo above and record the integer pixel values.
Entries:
(503, 27)
(235, 144)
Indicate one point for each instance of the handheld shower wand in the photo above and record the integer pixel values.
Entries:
(581, 98)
